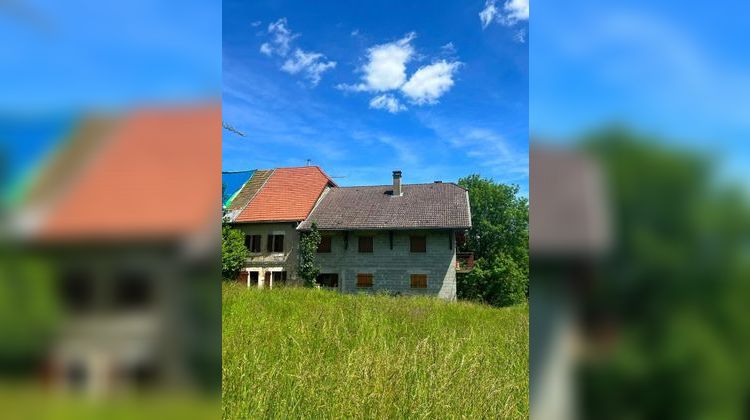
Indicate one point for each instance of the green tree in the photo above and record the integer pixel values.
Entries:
(233, 251)
(499, 239)
(308, 268)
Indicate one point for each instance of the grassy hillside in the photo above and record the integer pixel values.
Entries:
(309, 353)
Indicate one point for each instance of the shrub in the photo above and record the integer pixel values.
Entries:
(233, 252)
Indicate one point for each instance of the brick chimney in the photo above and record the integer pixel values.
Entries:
(397, 183)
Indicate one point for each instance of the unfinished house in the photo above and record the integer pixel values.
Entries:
(395, 238)
(267, 208)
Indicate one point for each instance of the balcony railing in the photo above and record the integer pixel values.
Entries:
(464, 262)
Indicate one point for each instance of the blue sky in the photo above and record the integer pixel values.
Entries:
(677, 70)
(433, 89)
(60, 60)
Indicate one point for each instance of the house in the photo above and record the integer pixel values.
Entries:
(396, 238)
(267, 209)
(125, 216)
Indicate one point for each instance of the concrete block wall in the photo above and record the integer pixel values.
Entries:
(392, 268)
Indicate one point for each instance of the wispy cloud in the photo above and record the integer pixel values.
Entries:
(387, 102)
(385, 71)
(309, 63)
(313, 65)
(485, 146)
(512, 12)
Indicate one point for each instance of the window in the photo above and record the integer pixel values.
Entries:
(325, 244)
(133, 289)
(275, 243)
(328, 279)
(364, 280)
(252, 243)
(279, 277)
(254, 278)
(418, 243)
(365, 244)
(419, 281)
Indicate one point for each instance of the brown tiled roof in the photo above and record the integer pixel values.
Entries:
(248, 191)
(422, 206)
(288, 195)
(153, 158)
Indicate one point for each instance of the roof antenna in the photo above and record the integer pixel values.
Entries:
(309, 162)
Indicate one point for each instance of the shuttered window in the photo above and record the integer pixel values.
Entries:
(418, 243)
(365, 244)
(419, 281)
(364, 280)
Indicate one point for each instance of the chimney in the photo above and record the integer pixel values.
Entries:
(397, 183)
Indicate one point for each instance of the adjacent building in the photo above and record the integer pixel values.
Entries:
(268, 208)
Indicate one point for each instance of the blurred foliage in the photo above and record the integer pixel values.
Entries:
(28, 310)
(675, 289)
(233, 251)
(499, 239)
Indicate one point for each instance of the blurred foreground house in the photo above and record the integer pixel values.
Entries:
(396, 238)
(126, 212)
(569, 233)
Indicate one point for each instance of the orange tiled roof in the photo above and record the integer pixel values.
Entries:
(153, 177)
(289, 194)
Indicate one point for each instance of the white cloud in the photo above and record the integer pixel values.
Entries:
(430, 82)
(449, 48)
(513, 11)
(520, 36)
(385, 71)
(282, 37)
(256, 24)
(355, 32)
(312, 64)
(386, 66)
(309, 63)
(388, 103)
(487, 15)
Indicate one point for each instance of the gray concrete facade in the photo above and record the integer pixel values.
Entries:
(392, 266)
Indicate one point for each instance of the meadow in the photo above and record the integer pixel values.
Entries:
(295, 352)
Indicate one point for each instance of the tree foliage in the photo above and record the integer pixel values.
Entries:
(233, 251)
(308, 246)
(499, 239)
(676, 282)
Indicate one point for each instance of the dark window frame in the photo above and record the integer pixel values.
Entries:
(366, 239)
(328, 280)
(275, 243)
(252, 243)
(414, 244)
(326, 243)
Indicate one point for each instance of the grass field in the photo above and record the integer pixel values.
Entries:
(294, 352)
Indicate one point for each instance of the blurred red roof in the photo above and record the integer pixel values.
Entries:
(156, 174)
(288, 195)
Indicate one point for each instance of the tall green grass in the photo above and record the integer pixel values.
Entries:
(290, 353)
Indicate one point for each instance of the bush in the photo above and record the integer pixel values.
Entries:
(497, 281)
(233, 252)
